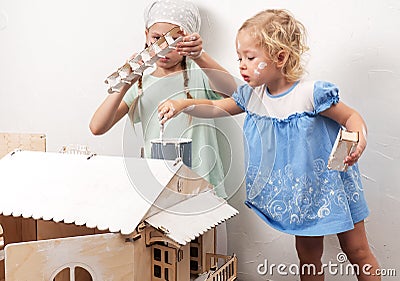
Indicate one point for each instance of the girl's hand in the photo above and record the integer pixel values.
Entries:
(169, 109)
(353, 157)
(191, 46)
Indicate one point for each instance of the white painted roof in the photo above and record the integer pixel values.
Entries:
(107, 192)
(192, 217)
(98, 192)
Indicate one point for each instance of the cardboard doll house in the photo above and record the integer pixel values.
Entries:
(24, 141)
(95, 218)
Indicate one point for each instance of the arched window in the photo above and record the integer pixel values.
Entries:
(73, 272)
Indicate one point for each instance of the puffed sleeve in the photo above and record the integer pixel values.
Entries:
(242, 96)
(325, 95)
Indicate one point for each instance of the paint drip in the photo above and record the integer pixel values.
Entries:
(189, 108)
(260, 66)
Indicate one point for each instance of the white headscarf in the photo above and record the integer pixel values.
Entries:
(180, 12)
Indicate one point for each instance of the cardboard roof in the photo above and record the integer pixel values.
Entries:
(190, 218)
(107, 192)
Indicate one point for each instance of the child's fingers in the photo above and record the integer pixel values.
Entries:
(191, 44)
(353, 158)
(166, 111)
(165, 117)
(190, 39)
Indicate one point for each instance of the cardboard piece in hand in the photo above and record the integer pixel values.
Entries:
(345, 144)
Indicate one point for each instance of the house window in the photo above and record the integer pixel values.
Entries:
(73, 272)
(163, 263)
(195, 256)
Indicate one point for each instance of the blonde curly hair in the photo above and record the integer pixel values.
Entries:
(276, 31)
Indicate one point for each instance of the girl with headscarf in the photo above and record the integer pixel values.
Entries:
(185, 73)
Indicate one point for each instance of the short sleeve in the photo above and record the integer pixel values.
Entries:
(242, 96)
(130, 95)
(199, 83)
(128, 98)
(210, 94)
(325, 95)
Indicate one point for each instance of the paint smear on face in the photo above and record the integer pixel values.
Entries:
(260, 66)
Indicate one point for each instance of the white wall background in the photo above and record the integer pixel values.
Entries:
(55, 55)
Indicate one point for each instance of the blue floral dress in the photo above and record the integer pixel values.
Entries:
(287, 146)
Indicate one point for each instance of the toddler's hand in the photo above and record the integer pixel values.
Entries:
(191, 46)
(353, 157)
(168, 109)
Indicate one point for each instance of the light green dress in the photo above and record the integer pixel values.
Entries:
(206, 160)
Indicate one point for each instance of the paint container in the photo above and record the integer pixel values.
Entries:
(172, 149)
